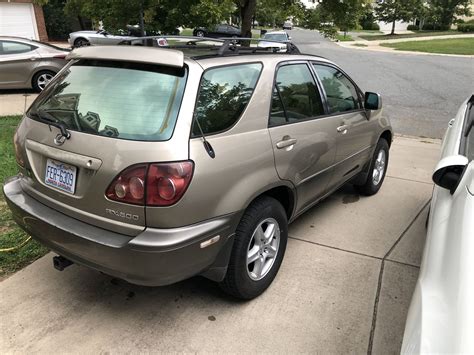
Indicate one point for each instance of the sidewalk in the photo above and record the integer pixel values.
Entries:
(376, 45)
(344, 286)
(15, 104)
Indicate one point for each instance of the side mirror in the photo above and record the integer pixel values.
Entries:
(289, 38)
(373, 101)
(449, 171)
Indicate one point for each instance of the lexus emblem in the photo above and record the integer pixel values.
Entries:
(60, 139)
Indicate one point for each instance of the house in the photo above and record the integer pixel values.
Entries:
(22, 18)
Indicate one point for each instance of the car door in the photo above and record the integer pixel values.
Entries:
(221, 31)
(354, 132)
(17, 62)
(303, 138)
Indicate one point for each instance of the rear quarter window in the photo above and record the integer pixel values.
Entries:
(223, 95)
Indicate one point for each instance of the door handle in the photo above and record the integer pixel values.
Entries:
(342, 129)
(286, 141)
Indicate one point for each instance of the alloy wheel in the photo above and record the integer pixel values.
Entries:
(379, 167)
(263, 249)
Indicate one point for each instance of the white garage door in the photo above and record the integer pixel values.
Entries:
(17, 20)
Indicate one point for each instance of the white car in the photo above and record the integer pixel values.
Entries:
(271, 37)
(441, 314)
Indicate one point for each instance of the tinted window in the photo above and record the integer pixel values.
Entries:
(7, 47)
(340, 92)
(223, 96)
(295, 96)
(116, 99)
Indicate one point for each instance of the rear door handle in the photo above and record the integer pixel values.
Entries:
(342, 129)
(286, 142)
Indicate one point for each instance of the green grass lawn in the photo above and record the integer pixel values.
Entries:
(447, 46)
(10, 234)
(410, 35)
(340, 37)
(367, 31)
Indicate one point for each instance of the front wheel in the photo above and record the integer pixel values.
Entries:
(377, 170)
(200, 33)
(258, 250)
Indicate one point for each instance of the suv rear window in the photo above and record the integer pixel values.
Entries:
(223, 95)
(131, 101)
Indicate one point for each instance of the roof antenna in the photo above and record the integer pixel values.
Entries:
(206, 144)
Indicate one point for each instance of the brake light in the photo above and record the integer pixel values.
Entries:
(129, 185)
(158, 184)
(167, 182)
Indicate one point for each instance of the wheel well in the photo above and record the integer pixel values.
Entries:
(33, 77)
(285, 196)
(387, 135)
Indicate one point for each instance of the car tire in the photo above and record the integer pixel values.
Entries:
(377, 170)
(200, 33)
(81, 42)
(41, 79)
(262, 235)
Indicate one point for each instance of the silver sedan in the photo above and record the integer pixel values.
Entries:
(26, 64)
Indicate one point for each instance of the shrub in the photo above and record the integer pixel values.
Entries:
(413, 28)
(466, 27)
(434, 27)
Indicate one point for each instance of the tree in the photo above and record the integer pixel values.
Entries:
(444, 12)
(391, 11)
(276, 12)
(247, 12)
(344, 14)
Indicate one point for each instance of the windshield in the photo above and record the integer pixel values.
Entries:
(276, 37)
(132, 101)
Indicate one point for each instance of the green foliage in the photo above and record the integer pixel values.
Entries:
(434, 27)
(345, 15)
(391, 11)
(466, 27)
(275, 12)
(443, 12)
(58, 24)
(368, 20)
(413, 28)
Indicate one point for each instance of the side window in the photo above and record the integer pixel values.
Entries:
(7, 47)
(468, 134)
(223, 95)
(340, 92)
(295, 96)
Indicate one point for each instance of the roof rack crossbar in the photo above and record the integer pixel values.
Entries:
(224, 46)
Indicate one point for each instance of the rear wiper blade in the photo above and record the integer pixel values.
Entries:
(47, 118)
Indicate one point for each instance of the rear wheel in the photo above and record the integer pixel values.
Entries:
(377, 170)
(200, 33)
(258, 251)
(41, 79)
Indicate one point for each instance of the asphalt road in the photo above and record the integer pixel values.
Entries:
(421, 93)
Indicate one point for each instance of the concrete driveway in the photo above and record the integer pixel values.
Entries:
(344, 286)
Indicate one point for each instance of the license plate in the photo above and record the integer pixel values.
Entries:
(61, 176)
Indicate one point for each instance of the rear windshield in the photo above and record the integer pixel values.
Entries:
(131, 101)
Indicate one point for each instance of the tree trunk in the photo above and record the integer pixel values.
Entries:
(247, 12)
(393, 28)
(142, 22)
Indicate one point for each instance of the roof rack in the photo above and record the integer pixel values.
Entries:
(215, 46)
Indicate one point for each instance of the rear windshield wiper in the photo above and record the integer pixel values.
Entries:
(47, 118)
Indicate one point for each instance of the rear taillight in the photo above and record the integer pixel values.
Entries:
(158, 184)
(129, 185)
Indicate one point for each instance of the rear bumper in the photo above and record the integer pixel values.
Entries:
(154, 257)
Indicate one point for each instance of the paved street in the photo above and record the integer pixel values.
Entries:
(421, 93)
(344, 286)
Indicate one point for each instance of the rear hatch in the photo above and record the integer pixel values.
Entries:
(117, 114)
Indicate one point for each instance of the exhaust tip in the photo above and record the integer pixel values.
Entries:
(60, 263)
